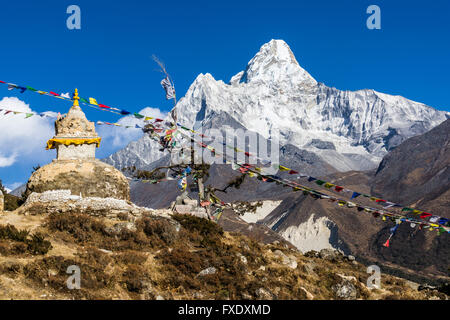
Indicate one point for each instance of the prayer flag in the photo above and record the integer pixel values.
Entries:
(355, 194)
(168, 87)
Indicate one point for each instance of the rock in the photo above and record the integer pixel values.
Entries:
(158, 297)
(291, 262)
(351, 258)
(180, 199)
(309, 295)
(119, 227)
(52, 272)
(198, 295)
(207, 271)
(309, 267)
(246, 296)
(264, 294)
(183, 209)
(190, 202)
(311, 254)
(345, 289)
(330, 254)
(412, 285)
(105, 251)
(187, 209)
(242, 257)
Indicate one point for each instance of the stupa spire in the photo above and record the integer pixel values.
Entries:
(76, 98)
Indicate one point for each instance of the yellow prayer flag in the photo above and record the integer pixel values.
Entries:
(93, 101)
(148, 118)
(284, 168)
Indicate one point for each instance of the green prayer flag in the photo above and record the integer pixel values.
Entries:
(30, 88)
(139, 116)
(29, 115)
(320, 182)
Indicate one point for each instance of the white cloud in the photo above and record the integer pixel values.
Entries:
(22, 138)
(118, 137)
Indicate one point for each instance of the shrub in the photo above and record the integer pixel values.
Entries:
(36, 245)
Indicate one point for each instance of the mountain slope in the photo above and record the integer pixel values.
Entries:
(418, 172)
(276, 97)
(415, 174)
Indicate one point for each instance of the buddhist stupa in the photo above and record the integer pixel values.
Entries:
(75, 167)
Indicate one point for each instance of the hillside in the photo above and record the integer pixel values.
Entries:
(172, 257)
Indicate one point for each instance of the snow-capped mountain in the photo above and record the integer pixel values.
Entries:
(276, 97)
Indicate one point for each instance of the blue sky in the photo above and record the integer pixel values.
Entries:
(110, 57)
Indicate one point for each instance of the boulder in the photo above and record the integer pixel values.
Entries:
(121, 226)
(207, 271)
(330, 254)
(291, 262)
(345, 290)
(264, 294)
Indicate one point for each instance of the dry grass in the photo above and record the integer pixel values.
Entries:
(163, 257)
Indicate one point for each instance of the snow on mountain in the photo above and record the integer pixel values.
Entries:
(276, 97)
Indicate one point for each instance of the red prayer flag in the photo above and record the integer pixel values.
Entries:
(386, 244)
(293, 172)
(338, 189)
(2, 81)
(380, 200)
(103, 106)
(425, 215)
(158, 120)
(54, 93)
(243, 170)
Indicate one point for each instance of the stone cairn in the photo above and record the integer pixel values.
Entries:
(76, 181)
(75, 167)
